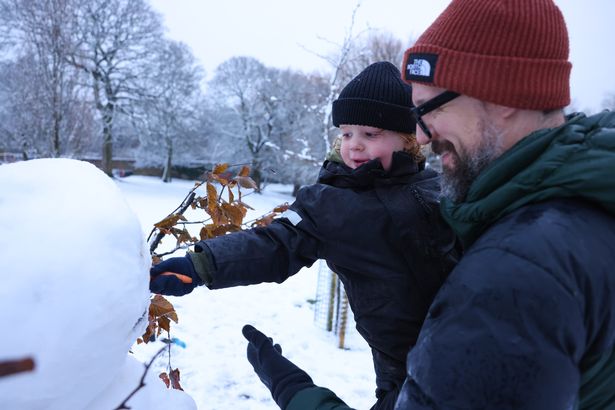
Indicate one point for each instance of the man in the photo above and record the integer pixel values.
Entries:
(527, 318)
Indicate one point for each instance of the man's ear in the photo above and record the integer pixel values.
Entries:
(501, 116)
(501, 111)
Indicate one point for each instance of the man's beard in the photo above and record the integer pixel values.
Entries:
(467, 165)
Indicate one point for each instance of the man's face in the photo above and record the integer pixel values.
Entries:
(463, 135)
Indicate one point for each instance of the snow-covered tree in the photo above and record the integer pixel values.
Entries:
(170, 113)
(43, 103)
(370, 47)
(298, 122)
(114, 43)
(274, 115)
(240, 83)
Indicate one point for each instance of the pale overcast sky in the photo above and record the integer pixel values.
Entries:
(280, 32)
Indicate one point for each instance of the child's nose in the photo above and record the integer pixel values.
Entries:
(355, 144)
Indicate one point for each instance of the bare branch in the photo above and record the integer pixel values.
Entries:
(9, 367)
(124, 404)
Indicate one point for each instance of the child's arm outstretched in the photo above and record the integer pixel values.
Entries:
(267, 254)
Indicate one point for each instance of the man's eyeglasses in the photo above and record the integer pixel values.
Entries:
(430, 105)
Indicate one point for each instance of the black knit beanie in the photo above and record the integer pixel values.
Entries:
(377, 97)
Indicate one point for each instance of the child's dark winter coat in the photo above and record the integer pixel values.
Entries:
(381, 232)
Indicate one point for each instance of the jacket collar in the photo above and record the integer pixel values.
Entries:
(574, 160)
(403, 167)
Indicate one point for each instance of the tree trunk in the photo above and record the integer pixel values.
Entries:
(107, 154)
(332, 301)
(56, 106)
(343, 321)
(257, 175)
(24, 151)
(55, 149)
(107, 145)
(166, 173)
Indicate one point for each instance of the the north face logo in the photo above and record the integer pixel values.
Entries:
(419, 67)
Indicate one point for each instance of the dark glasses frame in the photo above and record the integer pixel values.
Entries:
(430, 105)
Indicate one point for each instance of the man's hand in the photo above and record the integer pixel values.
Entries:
(174, 276)
(281, 376)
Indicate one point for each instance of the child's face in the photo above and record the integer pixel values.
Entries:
(361, 143)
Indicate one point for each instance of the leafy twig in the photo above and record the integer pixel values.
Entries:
(187, 202)
(224, 216)
(180, 211)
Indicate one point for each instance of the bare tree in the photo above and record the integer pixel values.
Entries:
(44, 88)
(298, 124)
(241, 83)
(170, 114)
(22, 118)
(221, 132)
(373, 46)
(113, 45)
(338, 62)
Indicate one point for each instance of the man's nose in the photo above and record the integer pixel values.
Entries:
(421, 137)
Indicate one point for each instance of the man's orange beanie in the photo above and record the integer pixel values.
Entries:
(509, 52)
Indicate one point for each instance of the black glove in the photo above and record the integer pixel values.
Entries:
(173, 284)
(281, 376)
(386, 399)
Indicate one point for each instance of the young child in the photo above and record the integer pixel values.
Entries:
(373, 216)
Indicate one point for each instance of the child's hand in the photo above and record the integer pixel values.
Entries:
(174, 276)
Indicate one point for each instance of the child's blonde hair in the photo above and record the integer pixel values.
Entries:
(413, 147)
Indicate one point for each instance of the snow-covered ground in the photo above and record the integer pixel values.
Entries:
(214, 369)
(75, 289)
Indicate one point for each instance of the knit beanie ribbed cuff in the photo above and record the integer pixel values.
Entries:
(508, 52)
(357, 111)
(535, 84)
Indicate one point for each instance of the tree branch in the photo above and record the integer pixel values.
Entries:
(16, 366)
(124, 404)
